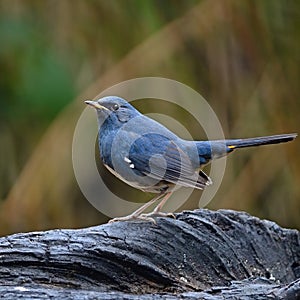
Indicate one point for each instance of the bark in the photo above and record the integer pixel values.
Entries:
(200, 254)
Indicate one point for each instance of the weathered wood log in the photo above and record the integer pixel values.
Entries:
(200, 254)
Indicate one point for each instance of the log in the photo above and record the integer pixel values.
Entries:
(200, 254)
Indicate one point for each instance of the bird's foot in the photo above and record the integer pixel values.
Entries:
(158, 214)
(132, 217)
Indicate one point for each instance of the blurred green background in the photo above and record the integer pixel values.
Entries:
(242, 56)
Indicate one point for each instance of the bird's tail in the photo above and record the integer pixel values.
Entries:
(258, 141)
(208, 150)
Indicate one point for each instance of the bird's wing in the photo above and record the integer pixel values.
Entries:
(160, 158)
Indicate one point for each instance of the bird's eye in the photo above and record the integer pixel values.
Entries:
(115, 106)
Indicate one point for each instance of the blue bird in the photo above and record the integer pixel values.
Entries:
(148, 156)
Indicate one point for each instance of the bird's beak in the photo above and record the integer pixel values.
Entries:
(95, 104)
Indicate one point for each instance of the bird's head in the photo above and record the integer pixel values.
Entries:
(114, 110)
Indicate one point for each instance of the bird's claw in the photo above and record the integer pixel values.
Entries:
(158, 214)
(143, 217)
(133, 218)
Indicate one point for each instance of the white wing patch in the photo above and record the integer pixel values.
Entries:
(126, 159)
(131, 165)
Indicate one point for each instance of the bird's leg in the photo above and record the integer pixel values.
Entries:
(156, 211)
(137, 215)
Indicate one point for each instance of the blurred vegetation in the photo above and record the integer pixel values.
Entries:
(242, 56)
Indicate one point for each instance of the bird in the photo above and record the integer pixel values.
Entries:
(148, 156)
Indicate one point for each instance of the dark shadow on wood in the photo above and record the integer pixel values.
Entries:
(201, 254)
